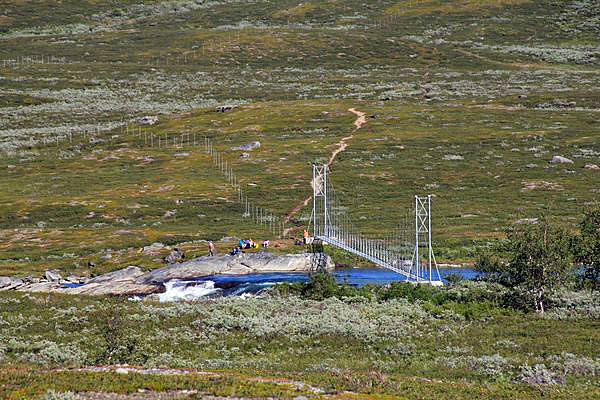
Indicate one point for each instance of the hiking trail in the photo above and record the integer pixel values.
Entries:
(341, 146)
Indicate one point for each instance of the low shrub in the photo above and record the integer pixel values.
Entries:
(466, 299)
(44, 352)
(121, 344)
(494, 365)
(571, 364)
(539, 375)
(51, 394)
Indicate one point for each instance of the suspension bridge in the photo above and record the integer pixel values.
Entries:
(407, 251)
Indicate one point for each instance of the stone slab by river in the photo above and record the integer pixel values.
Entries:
(133, 281)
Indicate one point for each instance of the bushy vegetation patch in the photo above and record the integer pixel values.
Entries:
(339, 337)
(469, 101)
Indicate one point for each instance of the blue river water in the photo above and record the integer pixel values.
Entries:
(246, 285)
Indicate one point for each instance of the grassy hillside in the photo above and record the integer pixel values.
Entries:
(465, 100)
(284, 347)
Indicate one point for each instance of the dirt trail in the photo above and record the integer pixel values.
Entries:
(538, 65)
(341, 146)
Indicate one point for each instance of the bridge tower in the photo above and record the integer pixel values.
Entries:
(332, 225)
(423, 238)
(321, 220)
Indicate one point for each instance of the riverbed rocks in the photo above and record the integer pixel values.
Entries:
(52, 276)
(133, 281)
(561, 160)
(124, 282)
(235, 265)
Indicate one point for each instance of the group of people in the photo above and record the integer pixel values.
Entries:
(244, 244)
(247, 244)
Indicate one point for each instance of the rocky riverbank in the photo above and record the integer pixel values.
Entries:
(133, 281)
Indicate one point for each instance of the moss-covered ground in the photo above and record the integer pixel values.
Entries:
(465, 100)
(460, 344)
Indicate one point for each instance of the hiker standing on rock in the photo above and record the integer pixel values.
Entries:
(211, 248)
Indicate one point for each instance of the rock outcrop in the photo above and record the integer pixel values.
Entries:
(52, 276)
(123, 282)
(561, 160)
(8, 283)
(234, 265)
(133, 281)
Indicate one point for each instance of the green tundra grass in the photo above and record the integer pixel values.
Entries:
(466, 100)
(285, 347)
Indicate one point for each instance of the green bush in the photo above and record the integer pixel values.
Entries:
(320, 286)
(587, 248)
(121, 343)
(537, 259)
(470, 300)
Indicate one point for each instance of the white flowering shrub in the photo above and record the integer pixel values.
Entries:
(569, 304)
(51, 394)
(571, 364)
(45, 352)
(538, 375)
(296, 318)
(494, 365)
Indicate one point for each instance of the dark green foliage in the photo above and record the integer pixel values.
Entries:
(535, 258)
(469, 301)
(320, 286)
(122, 344)
(454, 278)
(588, 247)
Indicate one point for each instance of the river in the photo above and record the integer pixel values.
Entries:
(247, 285)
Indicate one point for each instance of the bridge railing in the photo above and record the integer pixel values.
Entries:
(399, 251)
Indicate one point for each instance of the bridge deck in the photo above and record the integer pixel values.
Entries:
(410, 276)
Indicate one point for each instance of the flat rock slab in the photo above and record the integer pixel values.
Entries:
(240, 264)
(133, 281)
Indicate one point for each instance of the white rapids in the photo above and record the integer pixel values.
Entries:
(177, 290)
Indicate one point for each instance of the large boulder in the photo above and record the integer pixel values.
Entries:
(52, 276)
(175, 256)
(5, 281)
(129, 273)
(121, 282)
(148, 120)
(235, 265)
(561, 160)
(8, 283)
(247, 147)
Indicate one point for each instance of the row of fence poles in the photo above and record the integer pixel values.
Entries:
(388, 20)
(261, 215)
(32, 59)
(225, 41)
(147, 138)
(90, 135)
